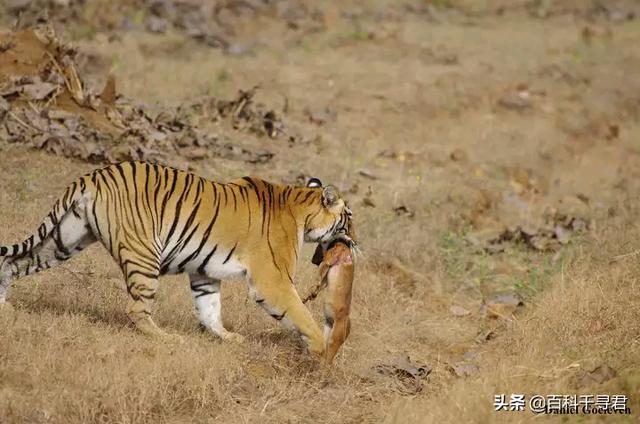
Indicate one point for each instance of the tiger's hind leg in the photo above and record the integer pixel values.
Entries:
(142, 290)
(206, 299)
(142, 284)
(6, 277)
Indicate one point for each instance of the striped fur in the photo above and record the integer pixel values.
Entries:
(155, 220)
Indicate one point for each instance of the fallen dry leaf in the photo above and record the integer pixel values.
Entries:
(38, 90)
(108, 94)
(597, 375)
(463, 369)
(402, 210)
(402, 365)
(366, 201)
(409, 374)
(547, 238)
(485, 335)
(106, 128)
(388, 153)
(320, 116)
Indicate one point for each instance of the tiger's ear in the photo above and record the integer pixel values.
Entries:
(314, 183)
(330, 196)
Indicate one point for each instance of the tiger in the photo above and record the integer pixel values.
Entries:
(156, 220)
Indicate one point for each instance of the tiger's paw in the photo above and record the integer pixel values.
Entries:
(314, 347)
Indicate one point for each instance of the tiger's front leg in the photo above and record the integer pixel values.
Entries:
(206, 299)
(280, 299)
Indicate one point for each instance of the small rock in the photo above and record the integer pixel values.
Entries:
(156, 24)
(508, 299)
(611, 131)
(238, 49)
(458, 155)
(562, 234)
(579, 224)
(196, 153)
(518, 100)
(367, 174)
(502, 306)
(459, 311)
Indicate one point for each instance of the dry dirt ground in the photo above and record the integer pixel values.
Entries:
(486, 149)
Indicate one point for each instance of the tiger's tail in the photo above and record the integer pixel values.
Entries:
(62, 206)
(62, 233)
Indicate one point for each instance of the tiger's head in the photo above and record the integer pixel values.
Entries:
(330, 216)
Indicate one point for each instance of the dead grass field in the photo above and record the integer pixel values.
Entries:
(444, 126)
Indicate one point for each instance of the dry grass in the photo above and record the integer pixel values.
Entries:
(69, 355)
(587, 317)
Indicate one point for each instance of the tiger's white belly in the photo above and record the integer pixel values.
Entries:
(221, 271)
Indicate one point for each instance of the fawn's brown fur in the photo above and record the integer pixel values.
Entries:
(336, 273)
